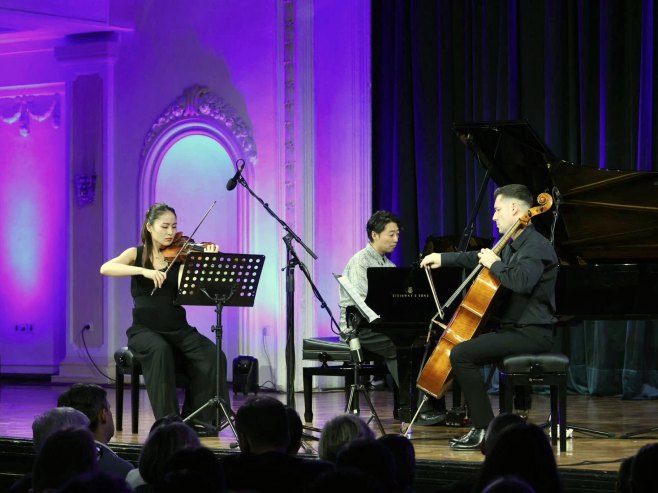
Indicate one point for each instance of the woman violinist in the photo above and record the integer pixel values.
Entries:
(160, 333)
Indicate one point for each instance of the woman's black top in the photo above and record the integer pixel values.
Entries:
(156, 312)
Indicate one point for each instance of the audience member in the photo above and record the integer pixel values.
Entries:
(339, 431)
(404, 456)
(346, 479)
(55, 419)
(193, 469)
(160, 446)
(264, 463)
(371, 457)
(522, 450)
(643, 470)
(508, 484)
(64, 454)
(623, 483)
(295, 431)
(42, 427)
(91, 400)
(95, 482)
(496, 426)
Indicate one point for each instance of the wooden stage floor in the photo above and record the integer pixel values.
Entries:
(20, 402)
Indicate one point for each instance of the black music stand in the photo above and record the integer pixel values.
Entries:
(220, 279)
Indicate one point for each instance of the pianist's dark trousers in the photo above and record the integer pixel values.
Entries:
(382, 345)
(469, 356)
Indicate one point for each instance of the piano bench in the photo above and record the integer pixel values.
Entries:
(328, 349)
(538, 369)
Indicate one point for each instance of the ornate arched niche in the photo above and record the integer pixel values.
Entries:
(198, 111)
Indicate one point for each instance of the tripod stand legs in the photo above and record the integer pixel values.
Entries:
(580, 429)
(639, 432)
(353, 400)
(354, 390)
(220, 405)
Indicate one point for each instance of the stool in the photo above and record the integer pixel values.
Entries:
(538, 369)
(127, 364)
(325, 349)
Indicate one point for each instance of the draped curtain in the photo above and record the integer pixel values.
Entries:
(582, 73)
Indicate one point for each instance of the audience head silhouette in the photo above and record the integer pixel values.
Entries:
(371, 457)
(508, 484)
(262, 425)
(91, 400)
(295, 430)
(63, 455)
(95, 482)
(56, 419)
(163, 442)
(643, 470)
(522, 450)
(404, 456)
(497, 425)
(193, 469)
(339, 431)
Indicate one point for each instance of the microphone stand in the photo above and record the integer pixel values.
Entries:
(292, 261)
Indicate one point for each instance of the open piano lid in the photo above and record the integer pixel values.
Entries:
(604, 215)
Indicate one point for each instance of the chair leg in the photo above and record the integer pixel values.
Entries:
(308, 394)
(509, 394)
(555, 415)
(134, 397)
(119, 399)
(562, 403)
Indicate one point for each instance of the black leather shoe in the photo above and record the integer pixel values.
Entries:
(430, 418)
(471, 441)
(461, 438)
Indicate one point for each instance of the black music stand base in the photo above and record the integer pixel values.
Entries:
(353, 400)
(225, 279)
(217, 402)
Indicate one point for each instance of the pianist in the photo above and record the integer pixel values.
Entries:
(527, 268)
(383, 230)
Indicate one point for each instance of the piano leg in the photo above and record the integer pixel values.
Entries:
(408, 393)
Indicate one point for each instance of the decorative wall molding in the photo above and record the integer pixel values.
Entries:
(289, 109)
(23, 108)
(198, 102)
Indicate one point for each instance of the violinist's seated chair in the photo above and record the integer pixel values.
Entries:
(538, 369)
(127, 364)
(328, 349)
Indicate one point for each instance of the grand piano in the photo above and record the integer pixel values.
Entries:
(604, 225)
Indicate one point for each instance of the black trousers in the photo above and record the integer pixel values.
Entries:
(467, 358)
(383, 346)
(158, 351)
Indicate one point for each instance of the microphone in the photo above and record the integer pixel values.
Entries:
(233, 182)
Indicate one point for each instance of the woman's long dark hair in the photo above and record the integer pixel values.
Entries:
(155, 211)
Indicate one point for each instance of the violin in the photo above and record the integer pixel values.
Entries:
(181, 247)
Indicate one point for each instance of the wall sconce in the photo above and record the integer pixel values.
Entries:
(85, 189)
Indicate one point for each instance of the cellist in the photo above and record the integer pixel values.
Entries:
(527, 269)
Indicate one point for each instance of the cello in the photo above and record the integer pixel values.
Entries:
(473, 311)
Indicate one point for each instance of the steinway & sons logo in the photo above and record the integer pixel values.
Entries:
(410, 294)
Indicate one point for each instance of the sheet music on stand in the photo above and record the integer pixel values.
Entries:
(359, 302)
(235, 275)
